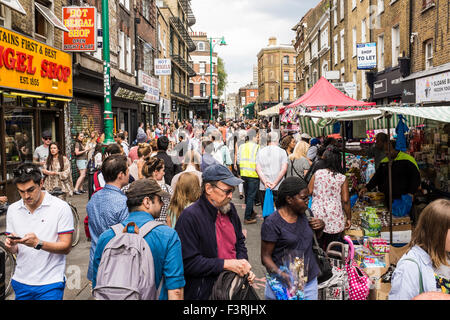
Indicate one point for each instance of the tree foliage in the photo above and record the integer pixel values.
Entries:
(222, 76)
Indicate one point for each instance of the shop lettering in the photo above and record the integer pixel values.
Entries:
(21, 62)
(52, 70)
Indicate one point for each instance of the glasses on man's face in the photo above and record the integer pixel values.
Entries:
(47, 138)
(227, 192)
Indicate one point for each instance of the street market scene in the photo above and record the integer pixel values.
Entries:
(273, 150)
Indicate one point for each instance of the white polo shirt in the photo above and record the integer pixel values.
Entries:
(52, 218)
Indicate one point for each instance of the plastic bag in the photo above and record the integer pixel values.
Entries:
(402, 207)
(268, 208)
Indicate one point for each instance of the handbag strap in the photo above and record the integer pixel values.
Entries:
(351, 249)
(309, 214)
(421, 289)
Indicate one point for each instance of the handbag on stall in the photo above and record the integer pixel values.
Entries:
(358, 280)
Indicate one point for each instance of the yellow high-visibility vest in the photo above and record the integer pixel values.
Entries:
(248, 160)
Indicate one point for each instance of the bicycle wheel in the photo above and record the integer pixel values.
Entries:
(10, 266)
(76, 226)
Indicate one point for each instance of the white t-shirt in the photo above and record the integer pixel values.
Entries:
(41, 153)
(52, 218)
(271, 160)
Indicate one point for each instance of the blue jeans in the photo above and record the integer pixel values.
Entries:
(311, 291)
(251, 187)
(53, 291)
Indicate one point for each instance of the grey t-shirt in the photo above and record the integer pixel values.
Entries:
(271, 160)
(41, 153)
(297, 167)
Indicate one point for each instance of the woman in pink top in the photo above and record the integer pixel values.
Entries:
(331, 199)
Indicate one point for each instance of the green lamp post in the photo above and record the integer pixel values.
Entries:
(212, 44)
(108, 115)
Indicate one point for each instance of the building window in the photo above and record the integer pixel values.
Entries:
(342, 45)
(380, 52)
(252, 93)
(285, 75)
(98, 53)
(354, 41)
(128, 54)
(363, 86)
(342, 9)
(43, 31)
(428, 54)
(324, 68)
(147, 9)
(191, 90)
(314, 48)
(335, 48)
(286, 94)
(5, 16)
(147, 60)
(426, 4)
(122, 50)
(335, 18)
(202, 90)
(125, 4)
(353, 4)
(202, 68)
(286, 60)
(395, 45)
(314, 77)
(201, 46)
(380, 6)
(324, 38)
(363, 31)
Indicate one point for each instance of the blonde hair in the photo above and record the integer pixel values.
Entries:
(300, 150)
(144, 150)
(152, 165)
(187, 190)
(431, 231)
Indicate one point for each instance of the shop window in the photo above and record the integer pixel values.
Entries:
(19, 138)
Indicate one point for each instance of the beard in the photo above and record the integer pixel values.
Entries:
(225, 208)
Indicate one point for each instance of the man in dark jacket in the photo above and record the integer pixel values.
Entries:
(211, 235)
(170, 167)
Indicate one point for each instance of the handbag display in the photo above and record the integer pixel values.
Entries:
(358, 280)
(326, 270)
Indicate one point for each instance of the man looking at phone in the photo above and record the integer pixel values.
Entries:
(39, 229)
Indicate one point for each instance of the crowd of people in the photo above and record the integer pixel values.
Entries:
(182, 177)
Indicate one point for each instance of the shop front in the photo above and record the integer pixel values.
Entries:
(35, 88)
(428, 87)
(126, 107)
(387, 86)
(149, 106)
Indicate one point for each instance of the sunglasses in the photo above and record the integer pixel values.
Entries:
(26, 170)
(227, 192)
(47, 138)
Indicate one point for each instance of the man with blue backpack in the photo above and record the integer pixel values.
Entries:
(140, 258)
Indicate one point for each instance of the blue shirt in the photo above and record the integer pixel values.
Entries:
(166, 250)
(106, 208)
(405, 279)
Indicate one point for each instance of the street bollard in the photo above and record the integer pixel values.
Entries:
(2, 274)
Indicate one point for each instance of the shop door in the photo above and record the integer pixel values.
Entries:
(123, 120)
(133, 126)
(50, 121)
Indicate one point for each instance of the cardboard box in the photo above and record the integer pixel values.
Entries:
(401, 227)
(398, 237)
(355, 233)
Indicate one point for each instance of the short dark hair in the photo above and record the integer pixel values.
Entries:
(113, 165)
(135, 202)
(121, 136)
(113, 148)
(27, 172)
(163, 143)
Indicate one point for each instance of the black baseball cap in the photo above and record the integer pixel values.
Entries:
(218, 172)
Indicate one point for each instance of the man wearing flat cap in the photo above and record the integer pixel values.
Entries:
(144, 201)
(211, 235)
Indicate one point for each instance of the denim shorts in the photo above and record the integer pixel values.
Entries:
(53, 291)
(81, 164)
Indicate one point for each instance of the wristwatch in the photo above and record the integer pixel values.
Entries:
(39, 245)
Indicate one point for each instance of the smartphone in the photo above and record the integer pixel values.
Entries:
(14, 237)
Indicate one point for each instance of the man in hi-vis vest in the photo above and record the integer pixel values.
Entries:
(246, 159)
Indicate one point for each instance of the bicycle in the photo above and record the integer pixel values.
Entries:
(10, 259)
(57, 192)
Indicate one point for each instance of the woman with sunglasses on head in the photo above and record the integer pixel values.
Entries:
(154, 169)
(57, 171)
(288, 233)
(81, 154)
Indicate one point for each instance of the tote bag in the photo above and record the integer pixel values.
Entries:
(358, 281)
(268, 208)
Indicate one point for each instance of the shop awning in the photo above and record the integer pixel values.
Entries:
(441, 114)
(324, 94)
(15, 5)
(272, 111)
(51, 17)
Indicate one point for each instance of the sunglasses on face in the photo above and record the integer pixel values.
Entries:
(47, 138)
(227, 192)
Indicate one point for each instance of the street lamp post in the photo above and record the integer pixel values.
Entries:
(108, 115)
(212, 44)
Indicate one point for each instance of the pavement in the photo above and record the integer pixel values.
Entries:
(79, 288)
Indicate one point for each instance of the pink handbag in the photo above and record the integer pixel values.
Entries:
(358, 280)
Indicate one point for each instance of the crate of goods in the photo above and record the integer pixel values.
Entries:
(370, 222)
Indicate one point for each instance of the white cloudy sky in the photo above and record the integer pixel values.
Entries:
(247, 26)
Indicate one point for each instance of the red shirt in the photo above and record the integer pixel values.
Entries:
(225, 237)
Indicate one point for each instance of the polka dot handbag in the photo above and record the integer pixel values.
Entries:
(358, 281)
